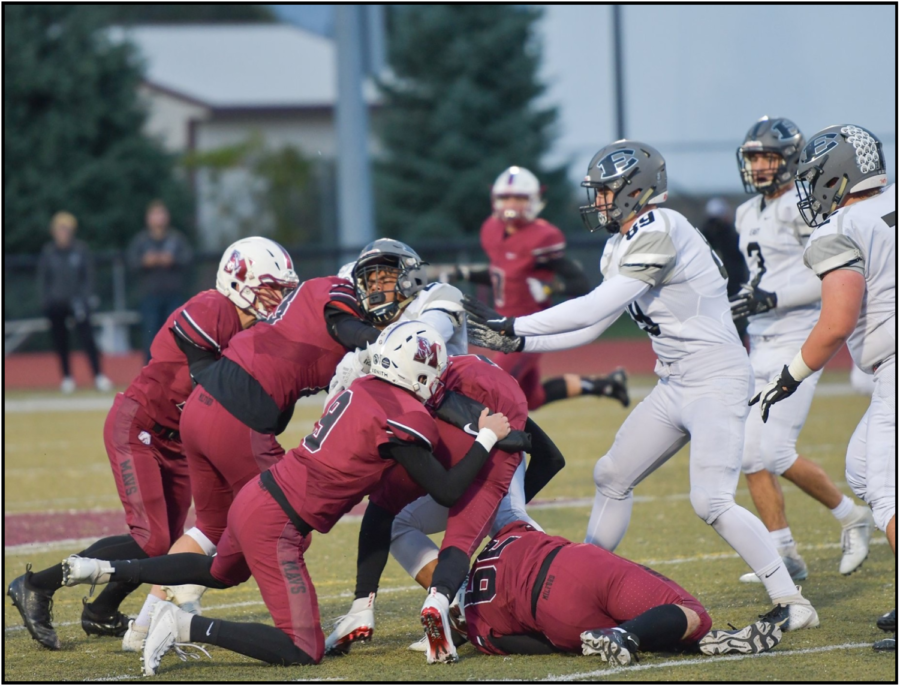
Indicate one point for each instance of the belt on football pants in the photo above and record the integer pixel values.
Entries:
(268, 482)
(165, 432)
(540, 578)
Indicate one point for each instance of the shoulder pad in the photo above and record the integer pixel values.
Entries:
(440, 296)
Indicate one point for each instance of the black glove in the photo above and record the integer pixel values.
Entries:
(779, 388)
(492, 319)
(750, 301)
(484, 337)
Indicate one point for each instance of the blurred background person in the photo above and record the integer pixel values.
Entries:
(66, 287)
(719, 231)
(161, 255)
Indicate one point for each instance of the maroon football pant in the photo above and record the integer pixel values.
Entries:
(223, 454)
(525, 368)
(588, 588)
(260, 540)
(151, 476)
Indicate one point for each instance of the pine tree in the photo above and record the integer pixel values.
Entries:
(72, 130)
(459, 109)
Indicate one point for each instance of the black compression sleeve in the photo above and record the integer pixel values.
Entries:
(480, 275)
(524, 644)
(259, 641)
(198, 359)
(374, 547)
(349, 330)
(659, 628)
(180, 568)
(445, 486)
(575, 282)
(462, 411)
(546, 460)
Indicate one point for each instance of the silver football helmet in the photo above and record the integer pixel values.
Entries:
(380, 263)
(776, 135)
(837, 161)
(636, 175)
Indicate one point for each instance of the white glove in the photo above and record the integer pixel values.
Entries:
(538, 290)
(352, 366)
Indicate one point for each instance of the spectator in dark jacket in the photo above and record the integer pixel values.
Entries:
(161, 256)
(723, 238)
(66, 288)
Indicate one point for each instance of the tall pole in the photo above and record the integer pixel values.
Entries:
(356, 224)
(619, 66)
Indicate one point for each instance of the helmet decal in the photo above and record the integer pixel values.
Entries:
(237, 265)
(785, 129)
(616, 163)
(868, 158)
(427, 352)
(820, 145)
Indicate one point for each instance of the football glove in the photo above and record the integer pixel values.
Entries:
(484, 337)
(481, 313)
(779, 388)
(749, 301)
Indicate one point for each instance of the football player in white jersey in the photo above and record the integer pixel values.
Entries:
(781, 300)
(660, 269)
(840, 179)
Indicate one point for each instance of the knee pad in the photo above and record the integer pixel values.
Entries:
(708, 506)
(608, 480)
(208, 547)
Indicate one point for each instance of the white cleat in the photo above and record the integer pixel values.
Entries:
(796, 567)
(164, 634)
(358, 625)
(85, 570)
(420, 646)
(792, 613)
(615, 646)
(436, 622)
(855, 541)
(186, 596)
(133, 640)
(756, 638)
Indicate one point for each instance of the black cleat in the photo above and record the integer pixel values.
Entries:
(95, 624)
(888, 621)
(886, 644)
(36, 608)
(616, 646)
(613, 386)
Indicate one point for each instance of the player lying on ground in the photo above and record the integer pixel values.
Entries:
(782, 301)
(527, 267)
(378, 422)
(853, 250)
(530, 593)
(398, 519)
(661, 270)
(142, 437)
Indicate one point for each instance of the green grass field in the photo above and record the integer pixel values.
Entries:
(56, 461)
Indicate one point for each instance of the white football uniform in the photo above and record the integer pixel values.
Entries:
(667, 277)
(440, 305)
(773, 236)
(863, 238)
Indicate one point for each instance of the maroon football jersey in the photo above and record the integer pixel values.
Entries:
(339, 462)
(291, 354)
(209, 320)
(517, 257)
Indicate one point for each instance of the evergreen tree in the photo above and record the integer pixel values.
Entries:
(72, 130)
(186, 13)
(459, 109)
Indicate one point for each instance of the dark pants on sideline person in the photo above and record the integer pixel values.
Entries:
(154, 310)
(57, 313)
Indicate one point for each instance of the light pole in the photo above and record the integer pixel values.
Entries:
(619, 67)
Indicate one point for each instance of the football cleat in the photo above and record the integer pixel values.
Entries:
(96, 624)
(793, 613)
(436, 622)
(888, 621)
(133, 640)
(85, 570)
(616, 646)
(420, 646)
(855, 541)
(885, 645)
(163, 636)
(756, 638)
(36, 609)
(186, 596)
(796, 567)
(358, 625)
(613, 386)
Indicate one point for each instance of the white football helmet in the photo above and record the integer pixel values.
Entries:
(519, 182)
(411, 355)
(254, 274)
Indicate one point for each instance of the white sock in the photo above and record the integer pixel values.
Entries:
(609, 521)
(143, 619)
(782, 538)
(844, 512)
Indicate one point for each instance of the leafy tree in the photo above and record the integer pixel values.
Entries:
(459, 109)
(185, 13)
(73, 130)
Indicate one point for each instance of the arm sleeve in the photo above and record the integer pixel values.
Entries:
(546, 460)
(348, 329)
(462, 411)
(523, 644)
(608, 299)
(571, 339)
(833, 251)
(374, 547)
(574, 281)
(198, 358)
(445, 486)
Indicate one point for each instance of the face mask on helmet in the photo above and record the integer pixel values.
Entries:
(768, 157)
(762, 171)
(411, 355)
(387, 275)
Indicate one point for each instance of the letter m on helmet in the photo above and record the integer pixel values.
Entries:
(237, 266)
(427, 352)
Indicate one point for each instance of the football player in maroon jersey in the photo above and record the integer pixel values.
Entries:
(379, 421)
(531, 593)
(142, 432)
(527, 266)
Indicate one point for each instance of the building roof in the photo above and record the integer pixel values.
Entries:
(245, 66)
